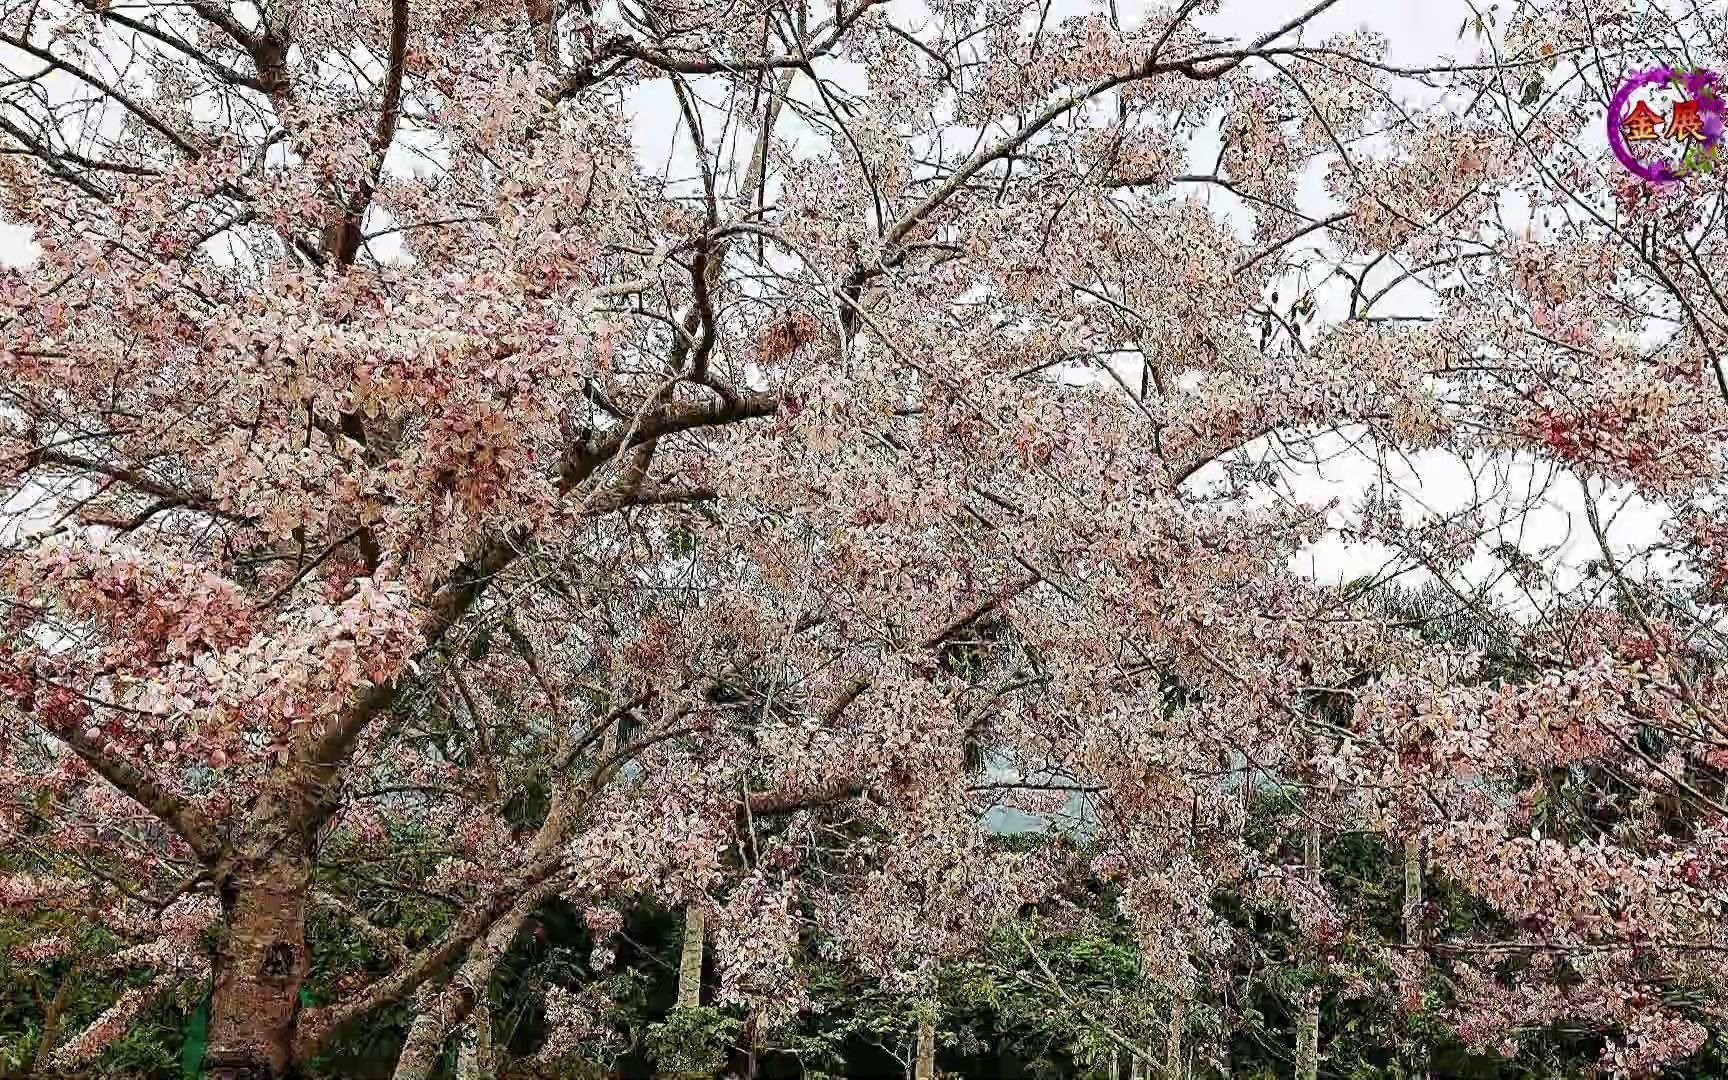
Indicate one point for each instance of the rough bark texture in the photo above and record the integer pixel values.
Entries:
(474, 1057)
(1179, 1000)
(1173, 1039)
(466, 991)
(1413, 917)
(1412, 892)
(51, 1023)
(260, 963)
(543, 17)
(690, 960)
(926, 1066)
(1308, 1020)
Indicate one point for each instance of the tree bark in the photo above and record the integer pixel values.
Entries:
(1413, 918)
(543, 27)
(690, 960)
(926, 1067)
(260, 963)
(474, 1058)
(466, 991)
(1308, 1020)
(50, 1023)
(468, 988)
(1173, 1038)
(1413, 891)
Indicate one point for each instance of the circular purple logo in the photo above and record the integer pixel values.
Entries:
(1659, 145)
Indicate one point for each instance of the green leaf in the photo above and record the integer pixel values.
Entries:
(197, 1036)
(481, 645)
(1532, 92)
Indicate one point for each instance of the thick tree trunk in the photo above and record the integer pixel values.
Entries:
(926, 1067)
(543, 26)
(260, 963)
(474, 1057)
(1308, 1019)
(690, 960)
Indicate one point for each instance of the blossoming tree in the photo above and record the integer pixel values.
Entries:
(387, 438)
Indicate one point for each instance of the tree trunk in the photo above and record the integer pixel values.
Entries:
(469, 987)
(466, 991)
(1308, 1020)
(1413, 919)
(1413, 891)
(752, 1047)
(543, 26)
(926, 1067)
(51, 1023)
(1173, 1038)
(260, 963)
(1179, 992)
(690, 960)
(474, 1057)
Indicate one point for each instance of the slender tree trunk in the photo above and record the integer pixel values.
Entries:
(1115, 1065)
(1178, 992)
(752, 1047)
(260, 963)
(474, 1057)
(1308, 1019)
(1413, 891)
(469, 987)
(466, 991)
(926, 1068)
(51, 1023)
(1413, 917)
(690, 959)
(1173, 1038)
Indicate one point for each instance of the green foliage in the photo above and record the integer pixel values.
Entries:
(852, 1017)
(76, 989)
(1055, 995)
(692, 1043)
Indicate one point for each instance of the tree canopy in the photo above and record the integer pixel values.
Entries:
(466, 468)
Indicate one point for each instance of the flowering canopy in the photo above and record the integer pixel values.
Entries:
(386, 438)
